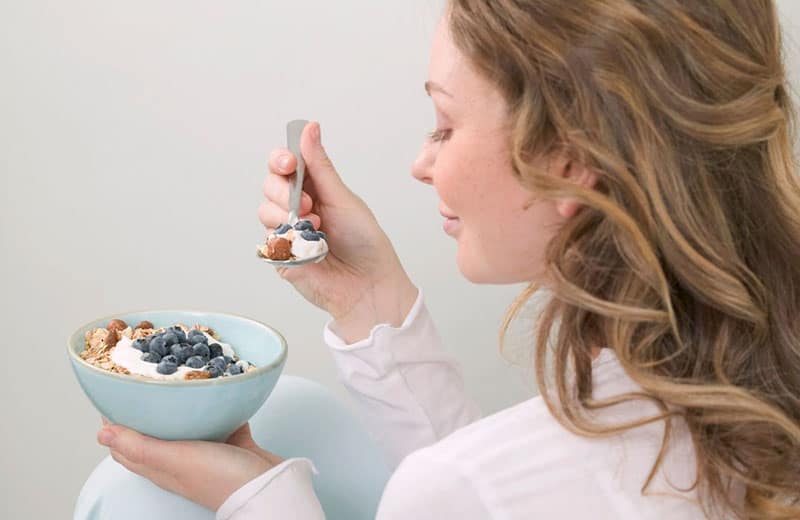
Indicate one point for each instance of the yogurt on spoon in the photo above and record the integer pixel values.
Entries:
(298, 243)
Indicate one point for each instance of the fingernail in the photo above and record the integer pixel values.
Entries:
(283, 161)
(315, 133)
(106, 436)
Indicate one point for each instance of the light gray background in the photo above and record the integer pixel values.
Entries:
(133, 143)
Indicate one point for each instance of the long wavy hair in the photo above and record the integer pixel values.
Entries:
(685, 258)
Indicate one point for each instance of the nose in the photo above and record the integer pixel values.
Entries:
(421, 169)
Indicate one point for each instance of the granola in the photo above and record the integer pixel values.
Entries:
(174, 352)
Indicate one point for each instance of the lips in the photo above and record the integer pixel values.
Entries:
(446, 214)
(451, 222)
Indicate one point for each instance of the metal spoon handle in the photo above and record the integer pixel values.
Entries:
(294, 129)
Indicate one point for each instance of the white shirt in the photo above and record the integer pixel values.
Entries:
(519, 463)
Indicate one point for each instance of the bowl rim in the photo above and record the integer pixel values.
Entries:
(258, 371)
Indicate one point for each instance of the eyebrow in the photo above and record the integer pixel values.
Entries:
(431, 86)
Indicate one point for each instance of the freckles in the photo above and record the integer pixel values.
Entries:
(528, 204)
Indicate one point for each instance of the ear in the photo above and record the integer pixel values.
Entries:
(580, 175)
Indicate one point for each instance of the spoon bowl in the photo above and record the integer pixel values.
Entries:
(293, 263)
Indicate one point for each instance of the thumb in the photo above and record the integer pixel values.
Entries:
(328, 184)
(140, 453)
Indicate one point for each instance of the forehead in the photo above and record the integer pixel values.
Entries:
(449, 68)
(445, 60)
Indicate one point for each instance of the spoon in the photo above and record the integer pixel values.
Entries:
(294, 129)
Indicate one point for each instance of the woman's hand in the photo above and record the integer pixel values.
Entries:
(206, 473)
(361, 281)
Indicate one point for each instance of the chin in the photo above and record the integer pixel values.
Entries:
(484, 272)
(478, 272)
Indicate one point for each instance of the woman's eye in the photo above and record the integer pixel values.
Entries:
(439, 135)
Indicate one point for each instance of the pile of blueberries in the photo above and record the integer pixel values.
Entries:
(173, 347)
(306, 229)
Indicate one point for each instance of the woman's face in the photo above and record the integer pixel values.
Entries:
(500, 229)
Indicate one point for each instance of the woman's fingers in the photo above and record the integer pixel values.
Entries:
(276, 189)
(160, 479)
(242, 438)
(139, 449)
(328, 185)
(183, 467)
(141, 454)
(271, 216)
(282, 162)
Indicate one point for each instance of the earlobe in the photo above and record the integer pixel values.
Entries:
(567, 207)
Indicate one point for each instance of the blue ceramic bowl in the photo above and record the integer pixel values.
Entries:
(207, 409)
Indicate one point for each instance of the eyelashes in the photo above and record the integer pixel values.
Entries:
(439, 135)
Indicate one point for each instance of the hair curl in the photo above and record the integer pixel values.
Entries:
(685, 258)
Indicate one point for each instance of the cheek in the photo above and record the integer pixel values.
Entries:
(463, 176)
(450, 180)
(503, 235)
(504, 243)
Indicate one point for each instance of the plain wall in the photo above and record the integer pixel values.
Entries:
(133, 145)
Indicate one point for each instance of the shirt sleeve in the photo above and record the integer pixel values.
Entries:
(409, 391)
(285, 491)
(422, 488)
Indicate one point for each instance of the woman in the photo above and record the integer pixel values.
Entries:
(638, 152)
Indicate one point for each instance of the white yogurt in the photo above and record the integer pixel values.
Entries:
(126, 356)
(302, 248)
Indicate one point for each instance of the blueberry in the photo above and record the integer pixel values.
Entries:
(219, 362)
(309, 235)
(158, 345)
(141, 344)
(151, 357)
(195, 362)
(170, 359)
(215, 350)
(243, 365)
(202, 350)
(178, 332)
(283, 228)
(167, 365)
(228, 360)
(303, 225)
(186, 352)
(196, 336)
(322, 235)
(235, 370)
(170, 338)
(214, 371)
(181, 352)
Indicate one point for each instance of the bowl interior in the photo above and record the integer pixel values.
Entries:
(252, 341)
